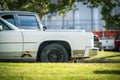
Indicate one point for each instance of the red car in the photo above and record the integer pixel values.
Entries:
(117, 42)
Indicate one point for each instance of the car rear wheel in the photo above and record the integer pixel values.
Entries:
(54, 53)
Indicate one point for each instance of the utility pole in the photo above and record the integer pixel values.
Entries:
(92, 23)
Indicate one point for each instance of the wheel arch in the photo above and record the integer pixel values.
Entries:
(65, 44)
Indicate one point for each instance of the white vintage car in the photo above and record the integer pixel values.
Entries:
(44, 46)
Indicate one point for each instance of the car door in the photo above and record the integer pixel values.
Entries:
(11, 42)
(117, 42)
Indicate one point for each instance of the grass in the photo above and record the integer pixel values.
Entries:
(106, 55)
(59, 71)
(63, 71)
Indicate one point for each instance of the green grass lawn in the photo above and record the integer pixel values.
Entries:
(59, 71)
(63, 71)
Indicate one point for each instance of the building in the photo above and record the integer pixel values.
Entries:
(82, 17)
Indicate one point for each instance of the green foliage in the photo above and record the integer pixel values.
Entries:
(65, 6)
(107, 8)
(62, 6)
(41, 6)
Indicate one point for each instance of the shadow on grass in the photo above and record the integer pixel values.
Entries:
(110, 56)
(116, 72)
(18, 60)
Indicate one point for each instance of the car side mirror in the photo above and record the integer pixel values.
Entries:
(1, 28)
(44, 28)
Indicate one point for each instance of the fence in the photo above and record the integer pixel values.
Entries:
(87, 25)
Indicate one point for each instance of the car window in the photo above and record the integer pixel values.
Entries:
(28, 22)
(4, 26)
(96, 38)
(9, 18)
(118, 36)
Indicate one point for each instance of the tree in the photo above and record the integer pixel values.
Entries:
(62, 6)
(42, 7)
(112, 20)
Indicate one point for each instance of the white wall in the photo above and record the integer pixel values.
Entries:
(80, 18)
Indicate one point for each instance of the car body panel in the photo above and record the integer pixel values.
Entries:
(11, 43)
(17, 43)
(36, 38)
(117, 42)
